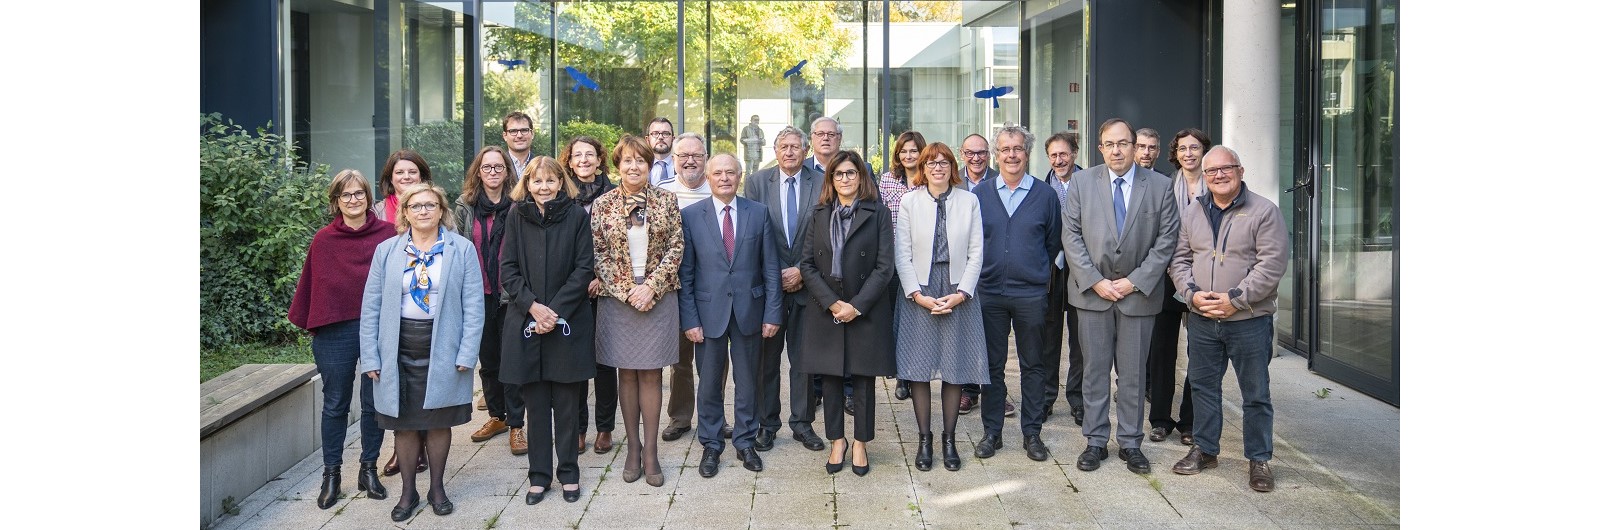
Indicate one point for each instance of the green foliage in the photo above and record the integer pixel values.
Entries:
(440, 143)
(721, 147)
(219, 360)
(259, 207)
(606, 133)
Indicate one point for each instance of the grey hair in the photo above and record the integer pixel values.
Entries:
(790, 129)
(704, 145)
(1220, 147)
(1027, 136)
(819, 120)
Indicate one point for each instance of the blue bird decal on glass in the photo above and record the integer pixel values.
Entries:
(582, 81)
(795, 70)
(511, 64)
(993, 94)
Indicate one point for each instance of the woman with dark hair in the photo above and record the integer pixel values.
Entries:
(421, 322)
(403, 169)
(327, 304)
(892, 185)
(480, 215)
(1187, 148)
(584, 160)
(548, 341)
(938, 252)
(1185, 151)
(638, 245)
(847, 264)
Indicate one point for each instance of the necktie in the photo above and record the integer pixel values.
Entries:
(660, 173)
(1117, 205)
(790, 210)
(727, 230)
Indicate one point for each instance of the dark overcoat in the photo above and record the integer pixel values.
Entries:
(547, 258)
(865, 345)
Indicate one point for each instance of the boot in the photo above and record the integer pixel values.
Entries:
(952, 460)
(330, 488)
(924, 451)
(367, 480)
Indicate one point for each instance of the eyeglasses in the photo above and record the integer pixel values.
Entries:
(1188, 149)
(690, 156)
(353, 196)
(825, 134)
(1212, 171)
(660, 134)
(973, 154)
(1060, 156)
(1116, 145)
(519, 132)
(492, 168)
(937, 163)
(422, 207)
(1149, 148)
(1015, 149)
(848, 174)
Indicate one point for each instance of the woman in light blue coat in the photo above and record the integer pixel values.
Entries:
(421, 320)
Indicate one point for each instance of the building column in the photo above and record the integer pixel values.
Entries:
(1250, 84)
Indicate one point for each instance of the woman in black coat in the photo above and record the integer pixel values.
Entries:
(847, 267)
(547, 342)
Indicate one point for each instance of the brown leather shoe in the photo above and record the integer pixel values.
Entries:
(1261, 476)
(1186, 437)
(582, 446)
(489, 430)
(1194, 462)
(519, 442)
(482, 404)
(602, 443)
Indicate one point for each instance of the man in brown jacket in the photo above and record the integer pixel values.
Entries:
(1233, 247)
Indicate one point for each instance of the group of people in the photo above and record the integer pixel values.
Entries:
(546, 274)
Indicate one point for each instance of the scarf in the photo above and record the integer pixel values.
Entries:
(837, 229)
(420, 281)
(636, 203)
(589, 191)
(490, 219)
(391, 207)
(941, 239)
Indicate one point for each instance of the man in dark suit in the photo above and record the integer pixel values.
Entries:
(1062, 149)
(826, 138)
(731, 285)
(788, 190)
(1121, 227)
(1021, 236)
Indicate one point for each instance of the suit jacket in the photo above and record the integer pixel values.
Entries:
(811, 162)
(748, 286)
(961, 177)
(457, 325)
(1094, 251)
(766, 187)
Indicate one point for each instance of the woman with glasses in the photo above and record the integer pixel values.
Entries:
(548, 340)
(403, 169)
(638, 245)
(480, 215)
(938, 252)
(585, 164)
(421, 322)
(327, 304)
(1186, 150)
(847, 266)
(892, 185)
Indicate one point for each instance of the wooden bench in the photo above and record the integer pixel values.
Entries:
(228, 397)
(256, 422)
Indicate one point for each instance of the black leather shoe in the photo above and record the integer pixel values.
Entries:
(987, 446)
(1077, 415)
(367, 480)
(902, 391)
(1186, 437)
(810, 440)
(673, 433)
(1049, 410)
(444, 507)
(751, 459)
(534, 498)
(1159, 434)
(850, 405)
(330, 488)
(710, 460)
(1035, 448)
(571, 495)
(763, 439)
(1194, 462)
(1090, 459)
(727, 431)
(402, 511)
(952, 459)
(924, 451)
(1261, 476)
(1137, 463)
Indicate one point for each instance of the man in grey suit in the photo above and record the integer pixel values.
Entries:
(788, 190)
(730, 276)
(1121, 226)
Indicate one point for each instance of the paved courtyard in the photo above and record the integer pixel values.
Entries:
(1337, 463)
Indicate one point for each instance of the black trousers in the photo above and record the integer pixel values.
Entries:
(680, 389)
(1058, 311)
(768, 405)
(1161, 374)
(1024, 316)
(505, 401)
(559, 402)
(833, 407)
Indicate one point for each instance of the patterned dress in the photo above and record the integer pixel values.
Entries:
(948, 347)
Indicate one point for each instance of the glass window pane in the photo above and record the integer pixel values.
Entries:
(516, 70)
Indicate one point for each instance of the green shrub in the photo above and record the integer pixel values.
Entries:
(259, 207)
(440, 143)
(607, 134)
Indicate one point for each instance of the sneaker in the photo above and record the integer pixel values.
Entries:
(493, 427)
(966, 404)
(1011, 410)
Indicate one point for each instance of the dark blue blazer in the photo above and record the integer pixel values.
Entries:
(715, 288)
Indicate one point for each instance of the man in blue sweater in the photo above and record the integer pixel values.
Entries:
(1021, 236)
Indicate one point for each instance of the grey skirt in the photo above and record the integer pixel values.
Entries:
(416, 344)
(949, 347)
(626, 338)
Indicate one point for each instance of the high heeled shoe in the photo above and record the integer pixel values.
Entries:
(330, 488)
(393, 467)
(402, 512)
(924, 451)
(653, 479)
(833, 467)
(860, 471)
(367, 480)
(952, 459)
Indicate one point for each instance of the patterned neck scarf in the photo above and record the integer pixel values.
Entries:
(420, 281)
(842, 216)
(635, 204)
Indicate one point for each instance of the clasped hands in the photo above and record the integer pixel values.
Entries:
(843, 312)
(1213, 304)
(641, 296)
(941, 305)
(1113, 290)
(544, 319)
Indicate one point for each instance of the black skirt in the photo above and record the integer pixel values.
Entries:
(416, 344)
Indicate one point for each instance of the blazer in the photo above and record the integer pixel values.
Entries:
(457, 327)
(547, 258)
(1094, 251)
(865, 345)
(612, 263)
(766, 187)
(913, 239)
(748, 287)
(811, 163)
(989, 173)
